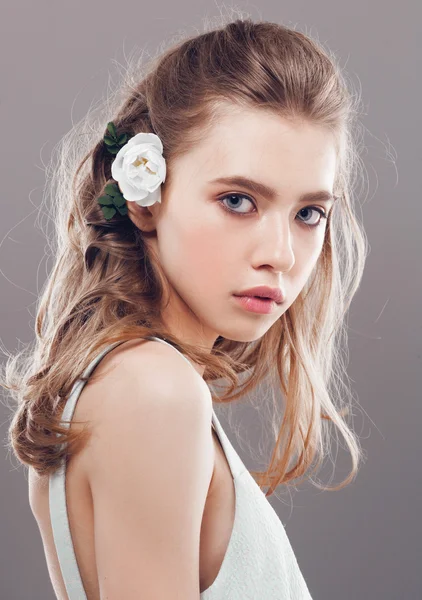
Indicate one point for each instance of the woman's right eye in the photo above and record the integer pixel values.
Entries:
(236, 196)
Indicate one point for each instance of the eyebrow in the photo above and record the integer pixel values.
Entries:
(270, 192)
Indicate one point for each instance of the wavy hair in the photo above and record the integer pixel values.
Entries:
(107, 286)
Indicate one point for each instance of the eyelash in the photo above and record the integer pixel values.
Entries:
(233, 212)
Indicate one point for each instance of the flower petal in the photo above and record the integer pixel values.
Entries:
(151, 139)
(131, 193)
(151, 198)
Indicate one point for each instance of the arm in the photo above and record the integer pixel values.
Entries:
(151, 460)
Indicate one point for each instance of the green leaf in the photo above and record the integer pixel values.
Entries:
(111, 128)
(105, 201)
(122, 139)
(113, 149)
(122, 210)
(119, 200)
(109, 141)
(108, 212)
(112, 189)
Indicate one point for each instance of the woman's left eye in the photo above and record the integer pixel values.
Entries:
(322, 213)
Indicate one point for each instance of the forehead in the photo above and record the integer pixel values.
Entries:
(264, 145)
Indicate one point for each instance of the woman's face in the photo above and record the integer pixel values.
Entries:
(209, 254)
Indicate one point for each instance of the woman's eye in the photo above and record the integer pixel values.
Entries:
(322, 215)
(306, 221)
(236, 197)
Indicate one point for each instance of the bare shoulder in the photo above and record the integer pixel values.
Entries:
(131, 380)
(149, 366)
(142, 352)
(136, 382)
(151, 460)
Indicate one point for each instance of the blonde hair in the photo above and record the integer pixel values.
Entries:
(106, 286)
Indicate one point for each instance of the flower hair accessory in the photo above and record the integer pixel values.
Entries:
(139, 169)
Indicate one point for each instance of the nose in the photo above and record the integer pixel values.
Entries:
(275, 247)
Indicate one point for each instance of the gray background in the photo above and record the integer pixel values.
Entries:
(365, 540)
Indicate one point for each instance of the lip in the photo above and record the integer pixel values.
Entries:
(256, 305)
(265, 291)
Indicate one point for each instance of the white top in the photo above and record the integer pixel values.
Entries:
(259, 563)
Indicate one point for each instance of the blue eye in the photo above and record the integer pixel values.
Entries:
(316, 209)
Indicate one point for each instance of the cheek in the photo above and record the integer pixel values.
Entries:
(191, 248)
(204, 251)
(307, 258)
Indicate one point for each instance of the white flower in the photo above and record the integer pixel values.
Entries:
(140, 169)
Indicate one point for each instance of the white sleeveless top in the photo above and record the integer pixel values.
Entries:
(259, 563)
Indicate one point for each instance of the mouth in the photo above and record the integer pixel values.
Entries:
(257, 304)
(264, 292)
(264, 298)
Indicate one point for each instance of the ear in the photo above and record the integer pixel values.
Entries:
(144, 217)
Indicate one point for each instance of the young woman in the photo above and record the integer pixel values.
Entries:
(208, 233)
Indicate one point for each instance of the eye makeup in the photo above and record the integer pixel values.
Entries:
(317, 209)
